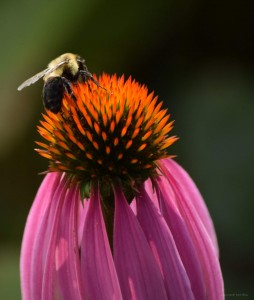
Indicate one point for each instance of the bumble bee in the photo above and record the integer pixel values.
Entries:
(60, 74)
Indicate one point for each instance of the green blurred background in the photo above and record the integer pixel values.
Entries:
(197, 56)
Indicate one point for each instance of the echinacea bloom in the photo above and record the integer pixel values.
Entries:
(116, 217)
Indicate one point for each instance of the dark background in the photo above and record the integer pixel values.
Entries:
(198, 56)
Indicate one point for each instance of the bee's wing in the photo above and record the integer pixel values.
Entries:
(40, 75)
(33, 79)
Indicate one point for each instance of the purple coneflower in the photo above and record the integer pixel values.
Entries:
(116, 217)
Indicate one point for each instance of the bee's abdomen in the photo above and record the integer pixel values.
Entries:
(53, 92)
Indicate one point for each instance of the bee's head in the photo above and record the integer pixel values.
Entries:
(81, 63)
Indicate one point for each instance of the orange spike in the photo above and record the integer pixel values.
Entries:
(42, 145)
(65, 110)
(159, 139)
(104, 119)
(96, 146)
(128, 145)
(82, 108)
(161, 124)
(146, 136)
(104, 136)
(128, 122)
(139, 111)
(89, 121)
(68, 129)
(70, 155)
(107, 149)
(47, 126)
(120, 156)
(167, 128)
(59, 135)
(148, 166)
(63, 145)
(48, 120)
(168, 142)
(121, 109)
(89, 136)
(69, 101)
(116, 141)
(48, 137)
(123, 132)
(142, 147)
(158, 107)
(92, 112)
(80, 146)
(56, 117)
(54, 150)
(135, 133)
(44, 154)
(139, 121)
(160, 115)
(134, 161)
(149, 124)
(112, 126)
(114, 106)
(63, 168)
(118, 116)
(149, 98)
(97, 128)
(151, 106)
(74, 140)
(89, 156)
(77, 121)
(109, 112)
(42, 130)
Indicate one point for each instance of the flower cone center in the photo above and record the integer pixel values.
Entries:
(119, 132)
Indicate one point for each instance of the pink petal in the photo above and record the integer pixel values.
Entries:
(82, 211)
(67, 249)
(151, 192)
(182, 238)
(46, 241)
(98, 271)
(34, 222)
(138, 272)
(54, 269)
(191, 192)
(202, 240)
(162, 243)
(133, 206)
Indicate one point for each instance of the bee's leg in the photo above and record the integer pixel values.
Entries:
(68, 89)
(87, 75)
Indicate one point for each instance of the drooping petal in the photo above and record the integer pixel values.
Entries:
(45, 250)
(137, 270)
(83, 207)
(182, 238)
(151, 192)
(191, 192)
(162, 243)
(98, 271)
(201, 239)
(54, 270)
(35, 219)
(67, 249)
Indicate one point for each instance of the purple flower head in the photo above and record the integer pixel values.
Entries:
(116, 217)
